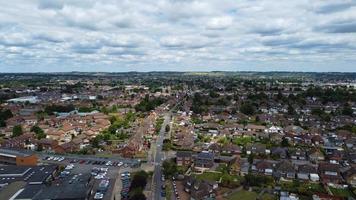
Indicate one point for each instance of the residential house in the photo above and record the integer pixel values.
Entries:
(307, 172)
(279, 152)
(203, 161)
(297, 154)
(350, 177)
(315, 155)
(184, 158)
(68, 147)
(330, 173)
(317, 140)
(284, 169)
(256, 148)
(46, 144)
(199, 190)
(244, 167)
(263, 167)
(231, 149)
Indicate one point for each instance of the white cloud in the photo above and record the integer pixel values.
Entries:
(176, 34)
(219, 23)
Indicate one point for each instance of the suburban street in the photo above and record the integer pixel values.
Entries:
(157, 174)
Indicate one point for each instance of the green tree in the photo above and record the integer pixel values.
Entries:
(250, 158)
(38, 131)
(247, 108)
(285, 142)
(17, 131)
(167, 128)
(169, 168)
(347, 110)
(137, 186)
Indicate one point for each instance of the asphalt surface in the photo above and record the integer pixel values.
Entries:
(158, 159)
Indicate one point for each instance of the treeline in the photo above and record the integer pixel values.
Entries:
(4, 115)
(51, 109)
(148, 104)
(138, 184)
(340, 94)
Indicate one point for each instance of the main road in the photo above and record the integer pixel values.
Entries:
(158, 158)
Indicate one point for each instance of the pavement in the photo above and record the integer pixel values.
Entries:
(158, 159)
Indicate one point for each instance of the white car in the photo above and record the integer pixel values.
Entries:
(99, 177)
(104, 169)
(50, 158)
(98, 195)
(120, 164)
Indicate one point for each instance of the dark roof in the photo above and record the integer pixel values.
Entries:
(184, 154)
(31, 175)
(29, 192)
(263, 164)
(66, 189)
(307, 169)
(12, 152)
(285, 166)
(329, 167)
(9, 171)
(205, 155)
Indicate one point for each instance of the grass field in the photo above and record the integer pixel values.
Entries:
(209, 176)
(342, 192)
(243, 194)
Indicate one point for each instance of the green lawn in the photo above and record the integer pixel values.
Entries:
(341, 192)
(304, 188)
(209, 176)
(268, 197)
(242, 141)
(243, 194)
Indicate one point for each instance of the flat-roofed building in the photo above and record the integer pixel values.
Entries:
(12, 157)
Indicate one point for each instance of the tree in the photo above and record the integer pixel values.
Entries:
(247, 108)
(250, 158)
(38, 131)
(17, 131)
(169, 168)
(285, 142)
(136, 195)
(291, 110)
(139, 180)
(138, 184)
(167, 128)
(347, 110)
(4, 115)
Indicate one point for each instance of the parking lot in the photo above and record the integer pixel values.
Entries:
(106, 178)
(100, 168)
(65, 160)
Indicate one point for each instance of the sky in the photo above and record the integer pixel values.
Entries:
(177, 35)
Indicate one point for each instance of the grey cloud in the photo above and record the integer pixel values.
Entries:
(87, 47)
(48, 38)
(328, 7)
(339, 27)
(50, 4)
(185, 42)
(17, 39)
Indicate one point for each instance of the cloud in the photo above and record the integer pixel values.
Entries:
(327, 7)
(339, 27)
(219, 23)
(50, 4)
(16, 40)
(177, 34)
(185, 42)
